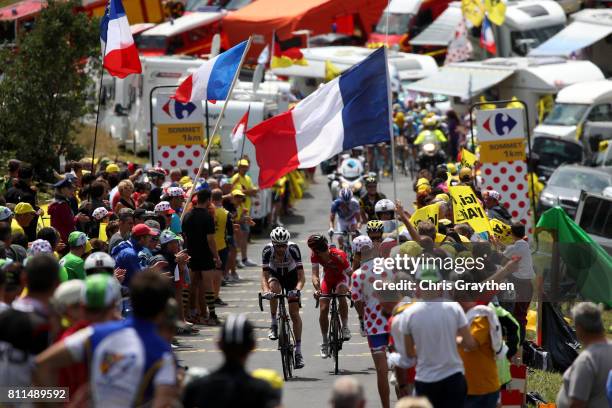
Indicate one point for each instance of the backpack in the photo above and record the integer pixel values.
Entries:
(495, 330)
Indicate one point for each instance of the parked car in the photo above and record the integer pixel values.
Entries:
(568, 182)
(594, 215)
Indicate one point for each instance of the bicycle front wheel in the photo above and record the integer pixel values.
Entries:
(334, 341)
(286, 349)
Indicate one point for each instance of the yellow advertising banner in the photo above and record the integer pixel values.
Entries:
(502, 151)
(473, 10)
(501, 231)
(468, 159)
(427, 213)
(467, 208)
(176, 134)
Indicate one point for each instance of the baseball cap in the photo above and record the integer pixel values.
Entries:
(112, 168)
(140, 230)
(428, 274)
(164, 206)
(77, 239)
(465, 172)
(243, 162)
(99, 213)
(100, 291)
(65, 182)
(493, 194)
(40, 246)
(175, 192)
(24, 208)
(152, 224)
(238, 193)
(167, 236)
(5, 213)
(184, 180)
(68, 294)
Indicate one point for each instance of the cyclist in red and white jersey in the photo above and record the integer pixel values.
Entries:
(335, 276)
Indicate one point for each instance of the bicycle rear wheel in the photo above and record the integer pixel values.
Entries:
(334, 341)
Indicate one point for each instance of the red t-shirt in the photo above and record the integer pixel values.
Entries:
(336, 265)
(75, 375)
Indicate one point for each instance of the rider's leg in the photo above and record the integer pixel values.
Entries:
(294, 312)
(276, 288)
(380, 363)
(324, 318)
(342, 289)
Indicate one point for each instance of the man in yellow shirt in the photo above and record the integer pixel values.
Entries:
(242, 181)
(24, 216)
(480, 365)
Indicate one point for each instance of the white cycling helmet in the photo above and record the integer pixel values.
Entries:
(362, 241)
(350, 168)
(99, 260)
(384, 205)
(280, 235)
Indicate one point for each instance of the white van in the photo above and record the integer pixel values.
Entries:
(528, 23)
(594, 216)
(307, 78)
(577, 105)
(588, 36)
(527, 79)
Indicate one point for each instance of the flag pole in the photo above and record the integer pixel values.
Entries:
(389, 105)
(217, 123)
(244, 133)
(95, 140)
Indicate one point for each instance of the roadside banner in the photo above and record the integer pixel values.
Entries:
(427, 213)
(468, 159)
(501, 231)
(502, 137)
(467, 209)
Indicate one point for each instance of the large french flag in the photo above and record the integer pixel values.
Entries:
(213, 78)
(351, 110)
(120, 54)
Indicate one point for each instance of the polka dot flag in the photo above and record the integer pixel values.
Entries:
(181, 156)
(510, 180)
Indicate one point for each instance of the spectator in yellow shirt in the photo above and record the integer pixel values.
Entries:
(242, 182)
(24, 216)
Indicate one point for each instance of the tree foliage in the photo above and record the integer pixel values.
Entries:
(46, 87)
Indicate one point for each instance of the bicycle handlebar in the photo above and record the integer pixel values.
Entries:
(332, 295)
(260, 298)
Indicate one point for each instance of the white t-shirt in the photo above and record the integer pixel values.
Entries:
(525, 267)
(433, 326)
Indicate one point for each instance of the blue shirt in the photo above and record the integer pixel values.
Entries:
(126, 360)
(345, 211)
(175, 224)
(126, 257)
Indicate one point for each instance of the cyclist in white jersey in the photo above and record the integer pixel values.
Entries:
(345, 214)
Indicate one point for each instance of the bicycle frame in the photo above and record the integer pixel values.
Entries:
(347, 246)
(335, 327)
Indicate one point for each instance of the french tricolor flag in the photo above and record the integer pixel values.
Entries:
(351, 110)
(487, 38)
(120, 54)
(213, 79)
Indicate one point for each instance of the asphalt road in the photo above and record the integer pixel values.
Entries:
(312, 385)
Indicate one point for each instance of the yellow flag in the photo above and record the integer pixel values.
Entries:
(102, 232)
(473, 10)
(468, 159)
(496, 11)
(501, 231)
(427, 213)
(331, 71)
(467, 209)
(515, 104)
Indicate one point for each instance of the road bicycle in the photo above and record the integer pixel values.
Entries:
(334, 335)
(347, 242)
(286, 338)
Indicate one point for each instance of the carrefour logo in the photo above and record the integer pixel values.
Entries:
(499, 124)
(177, 110)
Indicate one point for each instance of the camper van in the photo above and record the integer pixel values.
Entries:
(586, 37)
(190, 34)
(504, 78)
(405, 19)
(528, 23)
(307, 78)
(594, 216)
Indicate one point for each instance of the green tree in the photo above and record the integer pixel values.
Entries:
(46, 86)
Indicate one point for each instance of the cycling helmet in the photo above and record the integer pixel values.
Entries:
(280, 235)
(362, 241)
(99, 260)
(384, 205)
(317, 242)
(375, 226)
(370, 180)
(345, 194)
(238, 332)
(350, 168)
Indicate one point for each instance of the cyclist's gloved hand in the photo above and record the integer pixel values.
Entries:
(293, 294)
(268, 295)
(330, 232)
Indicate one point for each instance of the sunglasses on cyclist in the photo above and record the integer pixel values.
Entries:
(376, 238)
(279, 246)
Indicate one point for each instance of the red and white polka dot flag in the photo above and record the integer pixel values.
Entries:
(180, 156)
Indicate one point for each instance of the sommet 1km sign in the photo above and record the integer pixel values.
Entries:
(501, 135)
